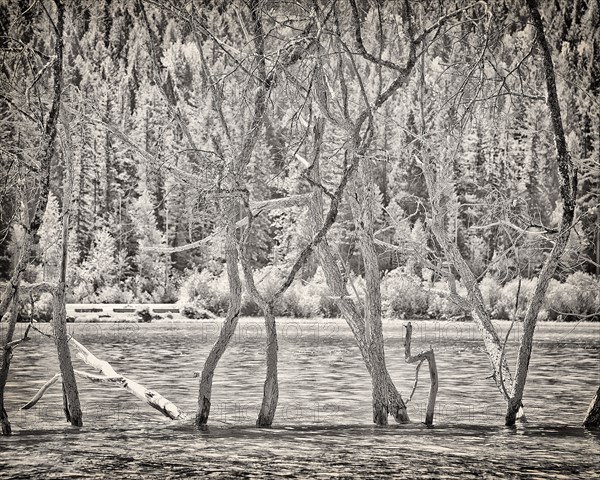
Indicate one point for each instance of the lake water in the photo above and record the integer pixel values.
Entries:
(323, 425)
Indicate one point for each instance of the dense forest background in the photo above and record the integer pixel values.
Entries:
(148, 147)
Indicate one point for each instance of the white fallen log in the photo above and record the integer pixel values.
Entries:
(110, 376)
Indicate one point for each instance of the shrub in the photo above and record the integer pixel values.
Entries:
(508, 296)
(579, 294)
(42, 309)
(114, 294)
(203, 290)
(441, 306)
(491, 292)
(144, 315)
(319, 292)
(301, 300)
(403, 295)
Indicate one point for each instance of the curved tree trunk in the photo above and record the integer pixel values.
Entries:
(271, 385)
(230, 323)
(337, 285)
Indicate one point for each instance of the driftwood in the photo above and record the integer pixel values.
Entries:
(110, 376)
(433, 375)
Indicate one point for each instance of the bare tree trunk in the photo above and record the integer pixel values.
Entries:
(433, 374)
(337, 286)
(6, 357)
(436, 188)
(363, 207)
(72, 407)
(568, 191)
(491, 340)
(271, 385)
(230, 323)
(592, 417)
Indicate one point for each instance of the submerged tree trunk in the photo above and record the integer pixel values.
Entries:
(337, 285)
(230, 323)
(475, 303)
(363, 210)
(72, 407)
(592, 417)
(567, 175)
(433, 373)
(6, 357)
(271, 385)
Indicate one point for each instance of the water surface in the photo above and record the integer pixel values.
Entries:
(323, 424)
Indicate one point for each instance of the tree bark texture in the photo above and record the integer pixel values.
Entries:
(491, 340)
(230, 323)
(362, 202)
(337, 285)
(271, 385)
(71, 405)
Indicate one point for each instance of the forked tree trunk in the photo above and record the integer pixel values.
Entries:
(491, 340)
(271, 384)
(433, 373)
(337, 285)
(474, 301)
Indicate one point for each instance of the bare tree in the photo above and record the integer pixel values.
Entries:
(359, 132)
(438, 174)
(33, 222)
(567, 174)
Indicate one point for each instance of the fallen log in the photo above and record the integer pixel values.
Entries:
(110, 376)
(433, 375)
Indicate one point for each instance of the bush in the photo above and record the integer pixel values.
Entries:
(442, 307)
(299, 300)
(403, 295)
(319, 292)
(201, 291)
(114, 294)
(42, 309)
(491, 292)
(144, 315)
(579, 294)
(508, 296)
